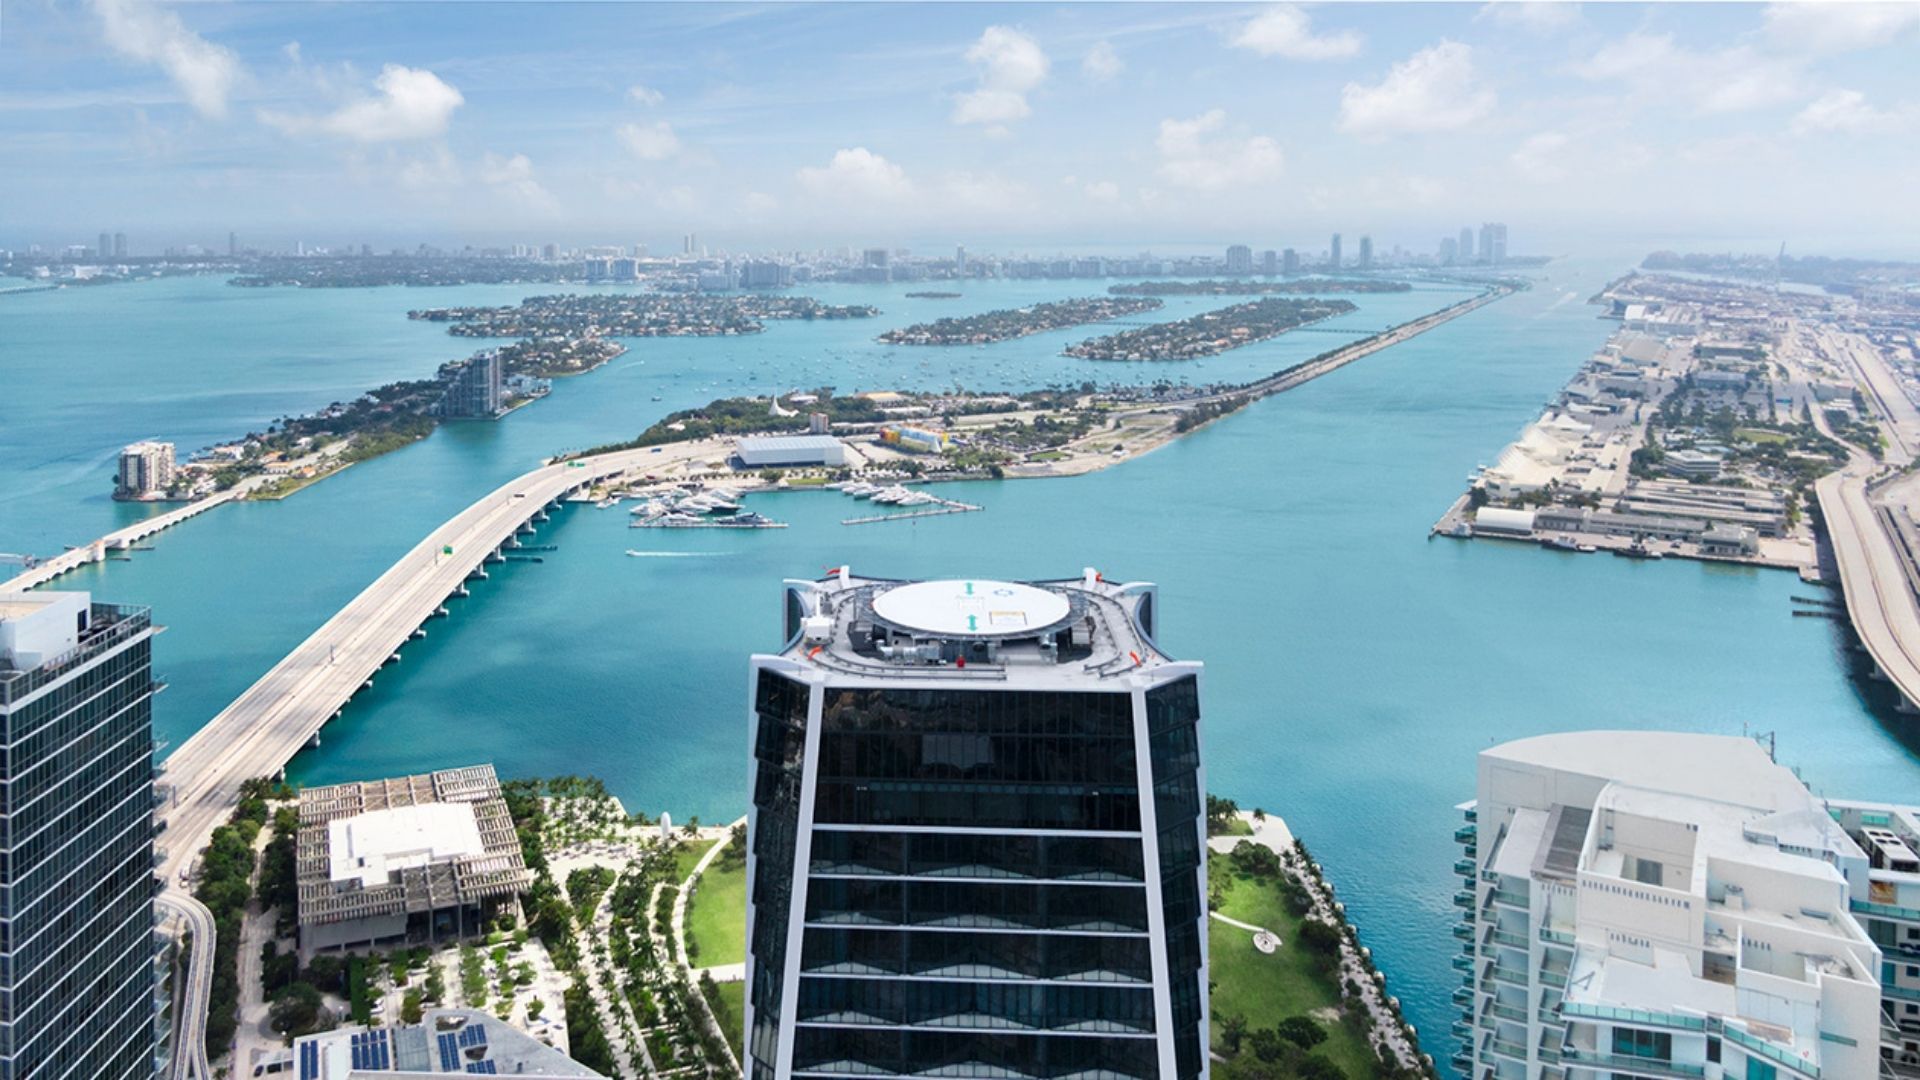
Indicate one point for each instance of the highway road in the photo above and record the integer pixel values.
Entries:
(1874, 565)
(279, 714)
(189, 1061)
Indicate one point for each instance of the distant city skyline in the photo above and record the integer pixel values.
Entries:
(983, 124)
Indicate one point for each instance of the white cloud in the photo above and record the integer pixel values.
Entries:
(1285, 30)
(413, 103)
(436, 171)
(1845, 112)
(1839, 27)
(1102, 191)
(645, 95)
(857, 174)
(513, 176)
(650, 142)
(1720, 81)
(1011, 66)
(1101, 64)
(983, 191)
(1538, 158)
(1540, 16)
(203, 71)
(1435, 89)
(1192, 157)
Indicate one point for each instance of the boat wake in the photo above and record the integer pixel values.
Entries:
(676, 554)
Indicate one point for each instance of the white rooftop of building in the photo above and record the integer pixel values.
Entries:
(1724, 768)
(370, 848)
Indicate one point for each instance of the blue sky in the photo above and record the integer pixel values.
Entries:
(1069, 125)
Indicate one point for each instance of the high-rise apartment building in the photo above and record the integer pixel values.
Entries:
(1269, 262)
(1888, 906)
(1289, 261)
(1466, 244)
(146, 470)
(1493, 243)
(475, 387)
(1659, 904)
(77, 972)
(106, 246)
(1239, 259)
(1366, 253)
(1449, 251)
(1333, 252)
(976, 838)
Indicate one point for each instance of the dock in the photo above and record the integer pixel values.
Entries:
(719, 523)
(947, 506)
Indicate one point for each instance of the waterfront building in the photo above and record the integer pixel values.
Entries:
(475, 388)
(1366, 253)
(975, 845)
(409, 860)
(1239, 259)
(106, 246)
(1889, 907)
(765, 274)
(768, 451)
(1466, 244)
(551, 252)
(1658, 904)
(1449, 251)
(146, 470)
(918, 440)
(1333, 252)
(462, 1041)
(1269, 262)
(1493, 243)
(960, 259)
(119, 245)
(77, 975)
(1289, 261)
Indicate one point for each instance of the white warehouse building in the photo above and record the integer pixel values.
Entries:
(1659, 904)
(762, 451)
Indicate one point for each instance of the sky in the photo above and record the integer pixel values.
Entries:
(1041, 126)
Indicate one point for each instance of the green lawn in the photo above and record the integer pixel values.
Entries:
(717, 916)
(687, 857)
(1267, 988)
(1759, 435)
(733, 995)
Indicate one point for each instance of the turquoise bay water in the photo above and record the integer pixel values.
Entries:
(1353, 665)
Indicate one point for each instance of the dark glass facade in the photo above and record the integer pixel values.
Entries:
(779, 747)
(76, 859)
(975, 894)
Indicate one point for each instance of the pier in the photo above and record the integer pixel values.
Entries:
(99, 550)
(947, 506)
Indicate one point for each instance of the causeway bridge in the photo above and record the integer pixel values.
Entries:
(284, 711)
(44, 570)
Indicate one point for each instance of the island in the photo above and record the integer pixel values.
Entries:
(1247, 287)
(371, 271)
(637, 315)
(1009, 323)
(1210, 333)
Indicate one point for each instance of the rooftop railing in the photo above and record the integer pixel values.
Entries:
(109, 625)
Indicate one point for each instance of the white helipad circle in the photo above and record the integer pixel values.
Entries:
(962, 607)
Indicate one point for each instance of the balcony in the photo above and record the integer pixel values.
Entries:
(1504, 1048)
(1630, 1066)
(1510, 976)
(1884, 911)
(1511, 899)
(1508, 1012)
(1556, 937)
(1463, 963)
(1466, 868)
(1555, 979)
(1463, 899)
(1463, 996)
(1466, 834)
(1574, 1010)
(1463, 931)
(1498, 936)
(1470, 814)
(1771, 1051)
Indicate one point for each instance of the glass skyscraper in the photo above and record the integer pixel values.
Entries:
(76, 839)
(976, 841)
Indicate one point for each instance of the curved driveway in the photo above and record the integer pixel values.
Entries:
(189, 1059)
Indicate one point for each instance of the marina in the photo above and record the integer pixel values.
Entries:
(946, 506)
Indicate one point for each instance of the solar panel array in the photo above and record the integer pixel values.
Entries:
(371, 1051)
(482, 1067)
(309, 1061)
(449, 1052)
(473, 1035)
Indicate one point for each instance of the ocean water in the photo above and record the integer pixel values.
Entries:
(1354, 666)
